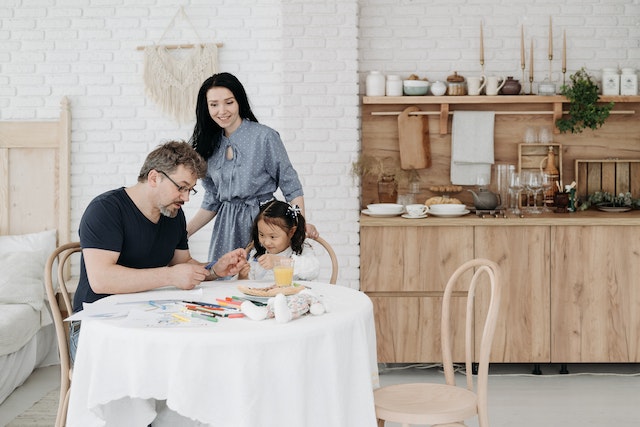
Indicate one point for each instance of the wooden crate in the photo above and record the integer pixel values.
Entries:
(613, 176)
(530, 156)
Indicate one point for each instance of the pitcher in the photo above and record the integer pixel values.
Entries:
(494, 84)
(476, 84)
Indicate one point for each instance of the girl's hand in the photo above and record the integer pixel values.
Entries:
(267, 261)
(311, 231)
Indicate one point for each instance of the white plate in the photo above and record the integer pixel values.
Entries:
(386, 208)
(380, 215)
(614, 208)
(253, 298)
(450, 214)
(414, 217)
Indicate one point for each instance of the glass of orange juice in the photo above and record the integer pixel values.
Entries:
(283, 271)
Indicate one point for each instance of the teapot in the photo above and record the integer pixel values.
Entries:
(485, 199)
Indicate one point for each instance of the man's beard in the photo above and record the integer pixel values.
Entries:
(170, 213)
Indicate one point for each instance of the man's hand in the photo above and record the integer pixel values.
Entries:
(187, 275)
(230, 263)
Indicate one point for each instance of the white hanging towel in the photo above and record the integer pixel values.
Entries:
(471, 146)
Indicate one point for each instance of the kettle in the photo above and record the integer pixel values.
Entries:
(485, 199)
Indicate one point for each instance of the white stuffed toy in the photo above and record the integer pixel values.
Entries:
(285, 309)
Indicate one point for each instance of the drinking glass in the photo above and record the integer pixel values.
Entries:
(530, 135)
(515, 188)
(545, 136)
(283, 271)
(548, 181)
(534, 184)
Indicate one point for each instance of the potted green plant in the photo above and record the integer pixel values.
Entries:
(584, 111)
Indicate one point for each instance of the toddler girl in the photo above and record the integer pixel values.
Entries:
(279, 231)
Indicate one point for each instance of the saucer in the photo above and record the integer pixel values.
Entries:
(414, 217)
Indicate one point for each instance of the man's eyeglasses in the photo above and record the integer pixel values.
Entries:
(181, 188)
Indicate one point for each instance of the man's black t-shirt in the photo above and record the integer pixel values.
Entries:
(113, 222)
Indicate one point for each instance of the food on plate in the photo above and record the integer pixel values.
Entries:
(441, 200)
(446, 188)
(270, 291)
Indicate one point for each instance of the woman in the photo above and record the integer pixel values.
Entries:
(246, 163)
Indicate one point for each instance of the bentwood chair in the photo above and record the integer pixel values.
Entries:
(61, 307)
(330, 252)
(448, 405)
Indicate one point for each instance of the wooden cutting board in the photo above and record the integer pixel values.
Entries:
(413, 139)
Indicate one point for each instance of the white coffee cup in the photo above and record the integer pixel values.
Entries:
(475, 84)
(494, 84)
(417, 209)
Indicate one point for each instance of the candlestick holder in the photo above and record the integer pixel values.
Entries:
(523, 79)
(564, 77)
(482, 67)
(530, 85)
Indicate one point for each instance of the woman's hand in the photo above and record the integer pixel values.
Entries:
(311, 231)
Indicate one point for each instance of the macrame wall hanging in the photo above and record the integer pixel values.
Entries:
(172, 79)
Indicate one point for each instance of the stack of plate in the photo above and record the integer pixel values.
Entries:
(445, 210)
(384, 209)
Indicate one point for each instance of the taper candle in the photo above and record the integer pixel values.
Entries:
(481, 45)
(564, 51)
(531, 61)
(522, 46)
(550, 41)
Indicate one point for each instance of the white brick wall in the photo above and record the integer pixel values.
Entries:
(302, 62)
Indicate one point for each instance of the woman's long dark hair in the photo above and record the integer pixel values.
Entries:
(206, 133)
(282, 215)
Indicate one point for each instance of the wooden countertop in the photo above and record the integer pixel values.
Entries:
(581, 218)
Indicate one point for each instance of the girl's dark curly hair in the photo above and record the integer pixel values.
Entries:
(285, 216)
(206, 133)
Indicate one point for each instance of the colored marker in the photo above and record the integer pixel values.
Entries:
(204, 317)
(180, 318)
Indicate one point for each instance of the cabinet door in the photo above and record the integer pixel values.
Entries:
(523, 330)
(595, 294)
(404, 270)
(412, 259)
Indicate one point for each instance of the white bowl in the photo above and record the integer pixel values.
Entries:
(415, 87)
(447, 208)
(385, 208)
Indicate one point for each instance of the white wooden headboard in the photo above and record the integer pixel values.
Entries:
(35, 175)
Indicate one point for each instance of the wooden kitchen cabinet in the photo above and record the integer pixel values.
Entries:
(406, 271)
(522, 332)
(571, 287)
(595, 294)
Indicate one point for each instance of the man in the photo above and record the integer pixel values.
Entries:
(135, 238)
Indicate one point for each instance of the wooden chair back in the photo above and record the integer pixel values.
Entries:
(61, 307)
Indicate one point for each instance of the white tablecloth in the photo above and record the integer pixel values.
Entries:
(312, 371)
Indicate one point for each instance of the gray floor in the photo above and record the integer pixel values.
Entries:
(590, 395)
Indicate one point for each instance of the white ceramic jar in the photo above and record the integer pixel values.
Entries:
(628, 82)
(374, 85)
(610, 81)
(394, 85)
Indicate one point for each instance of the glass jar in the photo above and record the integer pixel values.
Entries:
(456, 85)
(387, 189)
(374, 84)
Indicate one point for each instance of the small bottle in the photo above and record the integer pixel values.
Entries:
(628, 82)
(374, 85)
(610, 81)
(394, 85)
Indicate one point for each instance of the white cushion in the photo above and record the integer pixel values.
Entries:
(22, 278)
(43, 242)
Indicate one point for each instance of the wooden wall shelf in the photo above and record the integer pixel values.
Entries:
(506, 103)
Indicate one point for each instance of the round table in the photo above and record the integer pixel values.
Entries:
(312, 371)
